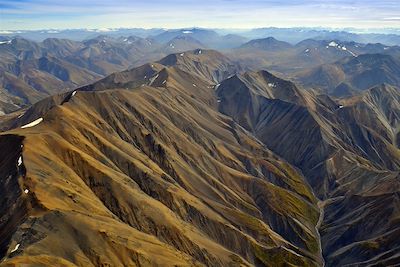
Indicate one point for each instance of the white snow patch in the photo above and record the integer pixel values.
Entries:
(26, 191)
(194, 85)
(307, 50)
(145, 76)
(15, 249)
(386, 48)
(5, 42)
(182, 54)
(199, 52)
(33, 123)
(333, 44)
(186, 32)
(171, 45)
(73, 93)
(164, 81)
(19, 161)
(153, 79)
(344, 48)
(216, 86)
(219, 100)
(354, 55)
(340, 106)
(271, 85)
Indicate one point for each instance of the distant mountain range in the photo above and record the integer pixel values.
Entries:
(346, 76)
(230, 36)
(33, 70)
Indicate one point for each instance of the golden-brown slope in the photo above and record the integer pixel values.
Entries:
(157, 174)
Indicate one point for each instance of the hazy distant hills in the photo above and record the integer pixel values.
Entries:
(291, 35)
(190, 160)
(209, 38)
(348, 75)
(287, 59)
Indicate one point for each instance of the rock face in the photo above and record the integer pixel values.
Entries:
(188, 162)
(348, 152)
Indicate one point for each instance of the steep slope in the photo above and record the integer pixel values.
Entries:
(158, 173)
(347, 151)
(208, 64)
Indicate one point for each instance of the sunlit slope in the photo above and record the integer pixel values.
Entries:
(160, 174)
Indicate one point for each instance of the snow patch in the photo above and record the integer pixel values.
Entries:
(333, 44)
(354, 55)
(5, 42)
(271, 85)
(199, 52)
(182, 54)
(153, 79)
(216, 86)
(19, 161)
(340, 106)
(26, 191)
(33, 123)
(194, 85)
(171, 45)
(73, 93)
(15, 249)
(164, 81)
(307, 50)
(187, 32)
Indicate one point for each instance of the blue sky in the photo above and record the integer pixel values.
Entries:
(61, 14)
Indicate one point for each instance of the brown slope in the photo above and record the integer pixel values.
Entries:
(162, 161)
(208, 64)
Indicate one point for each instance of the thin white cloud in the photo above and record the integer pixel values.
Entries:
(37, 14)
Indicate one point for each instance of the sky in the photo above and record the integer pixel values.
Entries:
(74, 14)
